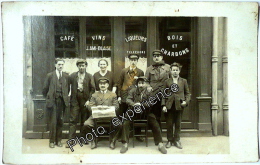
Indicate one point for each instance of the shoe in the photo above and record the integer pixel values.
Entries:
(59, 144)
(140, 139)
(178, 144)
(168, 144)
(112, 145)
(51, 145)
(162, 149)
(123, 149)
(93, 145)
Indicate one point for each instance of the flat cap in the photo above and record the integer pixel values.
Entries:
(103, 80)
(157, 52)
(81, 61)
(133, 56)
(141, 78)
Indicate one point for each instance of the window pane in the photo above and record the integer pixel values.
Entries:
(136, 39)
(98, 37)
(66, 37)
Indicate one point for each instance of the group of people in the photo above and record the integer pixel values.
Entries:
(132, 88)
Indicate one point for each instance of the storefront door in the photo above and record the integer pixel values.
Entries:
(176, 40)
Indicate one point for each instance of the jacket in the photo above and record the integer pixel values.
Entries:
(108, 99)
(183, 94)
(157, 78)
(125, 84)
(88, 87)
(49, 88)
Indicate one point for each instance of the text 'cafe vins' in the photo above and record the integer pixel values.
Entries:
(198, 43)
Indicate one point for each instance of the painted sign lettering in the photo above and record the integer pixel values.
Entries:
(67, 38)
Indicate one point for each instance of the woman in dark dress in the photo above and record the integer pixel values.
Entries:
(102, 63)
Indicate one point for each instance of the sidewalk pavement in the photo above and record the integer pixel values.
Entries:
(191, 145)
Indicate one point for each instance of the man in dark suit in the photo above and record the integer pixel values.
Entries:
(126, 82)
(55, 90)
(173, 105)
(82, 87)
(104, 97)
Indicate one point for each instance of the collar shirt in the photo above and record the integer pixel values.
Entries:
(80, 81)
(134, 69)
(58, 73)
(103, 92)
(175, 80)
(132, 72)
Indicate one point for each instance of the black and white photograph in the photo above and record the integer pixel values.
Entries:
(130, 82)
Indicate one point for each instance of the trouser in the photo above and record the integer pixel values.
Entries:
(123, 108)
(156, 129)
(153, 124)
(90, 132)
(125, 131)
(75, 111)
(56, 120)
(173, 117)
(156, 109)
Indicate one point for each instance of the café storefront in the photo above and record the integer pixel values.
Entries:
(198, 43)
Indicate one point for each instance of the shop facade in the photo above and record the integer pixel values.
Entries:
(198, 43)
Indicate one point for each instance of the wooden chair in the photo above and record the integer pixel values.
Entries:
(107, 125)
(141, 121)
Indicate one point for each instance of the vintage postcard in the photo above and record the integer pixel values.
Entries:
(170, 82)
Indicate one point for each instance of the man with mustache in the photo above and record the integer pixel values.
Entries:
(103, 97)
(134, 99)
(157, 74)
(82, 87)
(55, 90)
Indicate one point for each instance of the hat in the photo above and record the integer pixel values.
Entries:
(142, 78)
(103, 80)
(133, 56)
(157, 52)
(81, 61)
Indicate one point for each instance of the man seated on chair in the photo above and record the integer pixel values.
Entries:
(104, 97)
(135, 97)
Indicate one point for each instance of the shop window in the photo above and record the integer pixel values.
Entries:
(66, 37)
(175, 42)
(69, 41)
(98, 37)
(136, 40)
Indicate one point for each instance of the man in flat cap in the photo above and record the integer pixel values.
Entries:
(134, 99)
(55, 90)
(103, 97)
(82, 87)
(157, 74)
(126, 81)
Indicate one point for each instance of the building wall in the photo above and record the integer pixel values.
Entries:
(209, 63)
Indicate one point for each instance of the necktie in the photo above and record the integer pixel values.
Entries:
(59, 74)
